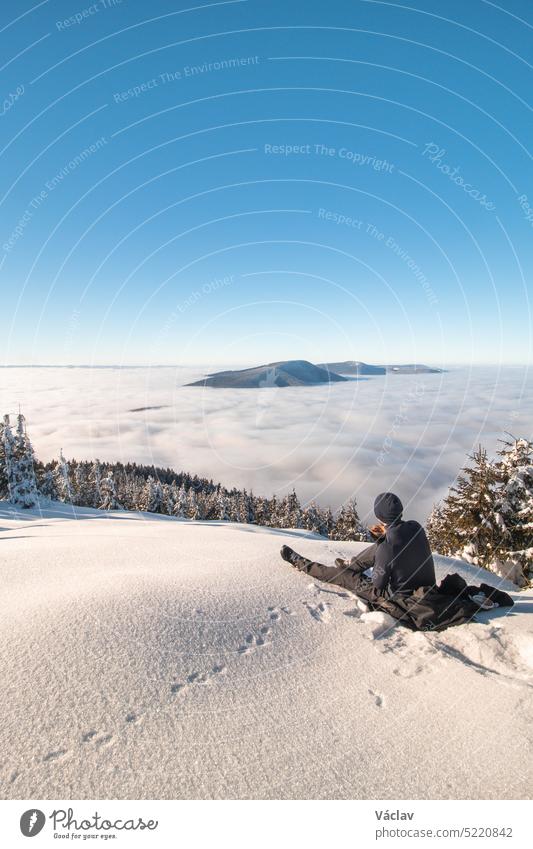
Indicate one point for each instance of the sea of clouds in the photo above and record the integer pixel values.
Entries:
(408, 433)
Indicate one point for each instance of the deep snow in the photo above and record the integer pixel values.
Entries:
(145, 657)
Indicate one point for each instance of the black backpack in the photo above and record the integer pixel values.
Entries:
(437, 608)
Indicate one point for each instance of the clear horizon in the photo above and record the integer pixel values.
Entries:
(250, 364)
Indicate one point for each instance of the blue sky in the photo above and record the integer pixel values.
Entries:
(249, 181)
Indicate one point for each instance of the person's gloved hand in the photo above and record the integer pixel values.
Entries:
(377, 530)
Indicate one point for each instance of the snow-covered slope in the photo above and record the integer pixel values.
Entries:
(145, 657)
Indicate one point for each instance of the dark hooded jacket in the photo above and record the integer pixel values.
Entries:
(403, 560)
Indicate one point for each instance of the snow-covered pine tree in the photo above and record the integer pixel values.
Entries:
(274, 512)
(22, 485)
(95, 482)
(222, 508)
(210, 505)
(313, 519)
(193, 511)
(245, 508)
(201, 504)
(348, 524)
(180, 506)
(514, 506)
(170, 493)
(233, 506)
(8, 452)
(260, 510)
(243, 512)
(281, 515)
(466, 525)
(329, 522)
(81, 490)
(62, 479)
(289, 512)
(153, 499)
(251, 509)
(108, 491)
(4, 493)
(47, 485)
(437, 529)
(127, 492)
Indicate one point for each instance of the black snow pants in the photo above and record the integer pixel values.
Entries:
(350, 577)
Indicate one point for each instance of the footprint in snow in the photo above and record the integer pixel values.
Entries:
(197, 678)
(319, 611)
(379, 700)
(253, 641)
(257, 640)
(97, 739)
(58, 755)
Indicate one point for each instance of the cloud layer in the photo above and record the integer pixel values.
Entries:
(407, 433)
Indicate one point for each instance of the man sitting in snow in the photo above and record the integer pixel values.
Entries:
(400, 558)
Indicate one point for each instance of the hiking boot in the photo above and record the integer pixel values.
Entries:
(289, 555)
(494, 594)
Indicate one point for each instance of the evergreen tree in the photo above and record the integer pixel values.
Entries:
(95, 481)
(436, 528)
(4, 457)
(62, 479)
(222, 508)
(127, 492)
(20, 462)
(466, 525)
(274, 513)
(47, 485)
(260, 511)
(170, 493)
(289, 512)
(514, 504)
(8, 455)
(193, 511)
(348, 524)
(201, 504)
(152, 499)
(108, 492)
(244, 508)
(180, 506)
(313, 519)
(81, 490)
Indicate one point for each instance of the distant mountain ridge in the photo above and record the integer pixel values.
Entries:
(414, 368)
(301, 373)
(355, 367)
(279, 374)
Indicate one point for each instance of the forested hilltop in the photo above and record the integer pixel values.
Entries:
(486, 518)
(24, 480)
